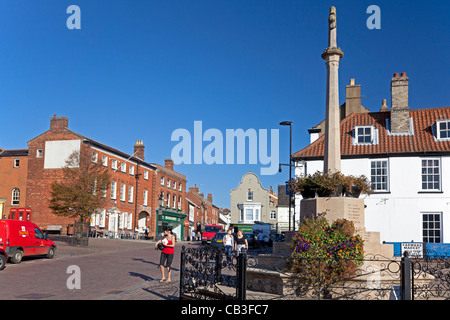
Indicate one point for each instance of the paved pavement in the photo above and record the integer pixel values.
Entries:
(108, 269)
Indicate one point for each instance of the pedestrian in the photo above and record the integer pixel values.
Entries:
(166, 257)
(228, 242)
(193, 236)
(241, 242)
(147, 231)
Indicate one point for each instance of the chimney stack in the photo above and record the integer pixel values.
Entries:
(58, 123)
(168, 164)
(139, 149)
(352, 99)
(210, 197)
(399, 104)
(194, 189)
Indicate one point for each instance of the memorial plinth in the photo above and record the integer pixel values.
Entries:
(352, 209)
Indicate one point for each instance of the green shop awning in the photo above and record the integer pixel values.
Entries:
(173, 217)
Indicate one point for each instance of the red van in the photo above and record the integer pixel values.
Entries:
(23, 238)
(209, 232)
(3, 258)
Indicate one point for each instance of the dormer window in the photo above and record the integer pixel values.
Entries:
(365, 135)
(443, 129)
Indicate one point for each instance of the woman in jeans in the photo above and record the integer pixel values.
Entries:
(166, 254)
(241, 242)
(228, 243)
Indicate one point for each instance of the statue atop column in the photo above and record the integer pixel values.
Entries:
(332, 28)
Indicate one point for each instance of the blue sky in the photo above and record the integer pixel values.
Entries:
(142, 69)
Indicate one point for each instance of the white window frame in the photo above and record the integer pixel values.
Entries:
(123, 167)
(145, 174)
(129, 220)
(145, 198)
(249, 212)
(114, 164)
(130, 194)
(273, 215)
(373, 135)
(431, 226)
(168, 183)
(131, 170)
(16, 163)
(15, 197)
(94, 157)
(104, 160)
(39, 153)
(249, 195)
(375, 172)
(162, 180)
(122, 192)
(101, 221)
(113, 190)
(438, 129)
(430, 169)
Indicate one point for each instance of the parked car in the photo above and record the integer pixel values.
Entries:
(209, 232)
(23, 238)
(217, 240)
(3, 258)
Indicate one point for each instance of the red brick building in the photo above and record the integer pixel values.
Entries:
(131, 199)
(200, 211)
(171, 187)
(13, 182)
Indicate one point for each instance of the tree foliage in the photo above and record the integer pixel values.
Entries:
(82, 190)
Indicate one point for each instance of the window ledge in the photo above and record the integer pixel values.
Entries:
(431, 191)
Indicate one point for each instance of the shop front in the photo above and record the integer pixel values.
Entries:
(173, 219)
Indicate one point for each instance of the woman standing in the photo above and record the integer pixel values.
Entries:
(228, 242)
(241, 242)
(166, 254)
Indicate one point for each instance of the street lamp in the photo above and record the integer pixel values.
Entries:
(289, 123)
(159, 217)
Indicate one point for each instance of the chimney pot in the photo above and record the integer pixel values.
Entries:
(384, 107)
(403, 74)
(396, 75)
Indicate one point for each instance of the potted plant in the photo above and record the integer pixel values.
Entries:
(355, 186)
(305, 185)
(330, 184)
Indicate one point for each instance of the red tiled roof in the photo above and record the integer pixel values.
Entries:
(422, 141)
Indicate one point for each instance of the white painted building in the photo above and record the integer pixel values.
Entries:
(409, 167)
